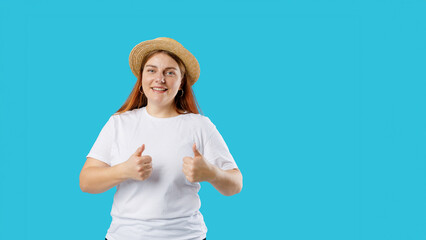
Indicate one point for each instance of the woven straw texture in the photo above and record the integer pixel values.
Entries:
(139, 52)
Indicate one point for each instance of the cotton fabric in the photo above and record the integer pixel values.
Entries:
(166, 205)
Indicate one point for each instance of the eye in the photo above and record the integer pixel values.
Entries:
(171, 73)
(149, 70)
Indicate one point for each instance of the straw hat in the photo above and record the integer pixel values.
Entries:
(139, 52)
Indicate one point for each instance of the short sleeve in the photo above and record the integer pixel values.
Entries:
(216, 151)
(101, 150)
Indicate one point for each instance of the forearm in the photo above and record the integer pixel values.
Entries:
(227, 182)
(101, 179)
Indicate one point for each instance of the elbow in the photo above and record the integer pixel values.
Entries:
(234, 191)
(237, 188)
(239, 185)
(88, 185)
(84, 186)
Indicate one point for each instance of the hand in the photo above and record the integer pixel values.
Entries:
(197, 169)
(138, 167)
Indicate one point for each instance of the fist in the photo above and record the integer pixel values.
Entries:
(197, 169)
(138, 167)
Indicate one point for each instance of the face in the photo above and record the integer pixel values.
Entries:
(161, 80)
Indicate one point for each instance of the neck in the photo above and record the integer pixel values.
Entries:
(161, 111)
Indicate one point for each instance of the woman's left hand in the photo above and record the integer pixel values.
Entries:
(197, 169)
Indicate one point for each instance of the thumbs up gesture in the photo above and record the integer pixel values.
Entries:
(138, 167)
(197, 169)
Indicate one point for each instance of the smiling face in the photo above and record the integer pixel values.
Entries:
(161, 80)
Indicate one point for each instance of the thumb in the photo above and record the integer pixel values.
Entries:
(140, 150)
(196, 152)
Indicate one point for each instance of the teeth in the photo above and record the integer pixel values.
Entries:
(159, 89)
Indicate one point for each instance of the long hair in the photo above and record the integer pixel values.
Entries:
(187, 102)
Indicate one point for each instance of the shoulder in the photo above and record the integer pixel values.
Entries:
(127, 116)
(198, 120)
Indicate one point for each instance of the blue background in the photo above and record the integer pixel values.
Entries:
(321, 103)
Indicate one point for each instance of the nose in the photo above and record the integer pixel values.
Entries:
(160, 78)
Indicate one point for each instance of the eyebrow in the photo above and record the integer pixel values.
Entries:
(156, 67)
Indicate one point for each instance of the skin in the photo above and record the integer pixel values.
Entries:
(160, 71)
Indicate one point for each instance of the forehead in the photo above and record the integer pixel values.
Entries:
(161, 60)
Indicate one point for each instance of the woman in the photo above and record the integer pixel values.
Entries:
(157, 148)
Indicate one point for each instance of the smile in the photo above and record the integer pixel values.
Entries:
(159, 90)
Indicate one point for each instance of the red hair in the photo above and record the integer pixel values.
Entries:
(187, 102)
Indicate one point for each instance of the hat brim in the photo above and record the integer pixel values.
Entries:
(139, 52)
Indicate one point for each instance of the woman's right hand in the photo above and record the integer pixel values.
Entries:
(138, 167)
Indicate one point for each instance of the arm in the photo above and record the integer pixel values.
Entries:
(227, 182)
(97, 176)
(198, 169)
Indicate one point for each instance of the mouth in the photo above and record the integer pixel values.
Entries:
(159, 90)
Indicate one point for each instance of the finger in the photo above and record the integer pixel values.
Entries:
(140, 150)
(185, 167)
(196, 152)
(146, 164)
(146, 172)
(185, 172)
(145, 159)
(190, 178)
(187, 160)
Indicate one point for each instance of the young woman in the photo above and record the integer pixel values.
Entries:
(157, 148)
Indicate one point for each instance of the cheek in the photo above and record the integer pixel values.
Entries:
(145, 82)
(177, 84)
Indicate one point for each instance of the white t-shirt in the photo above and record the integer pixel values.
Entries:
(166, 205)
